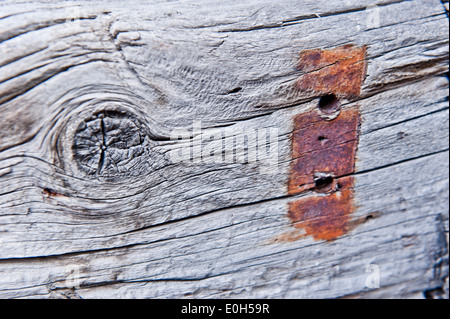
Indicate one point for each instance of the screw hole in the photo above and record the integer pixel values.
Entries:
(324, 183)
(329, 104)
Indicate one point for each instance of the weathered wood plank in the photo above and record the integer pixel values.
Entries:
(232, 251)
(162, 228)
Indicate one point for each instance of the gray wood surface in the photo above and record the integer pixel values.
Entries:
(136, 223)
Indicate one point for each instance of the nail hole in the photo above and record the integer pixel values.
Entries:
(329, 104)
(322, 139)
(401, 135)
(324, 183)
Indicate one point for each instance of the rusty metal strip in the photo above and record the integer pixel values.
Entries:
(324, 148)
(321, 147)
(340, 70)
(325, 217)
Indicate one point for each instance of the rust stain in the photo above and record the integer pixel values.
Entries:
(324, 153)
(289, 236)
(339, 70)
(50, 193)
(324, 217)
(324, 144)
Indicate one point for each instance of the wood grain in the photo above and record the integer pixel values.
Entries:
(80, 226)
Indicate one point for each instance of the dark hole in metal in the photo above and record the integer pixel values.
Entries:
(329, 104)
(324, 183)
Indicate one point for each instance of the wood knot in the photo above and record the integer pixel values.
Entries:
(110, 144)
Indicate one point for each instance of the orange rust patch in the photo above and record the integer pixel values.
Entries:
(324, 217)
(324, 158)
(324, 143)
(339, 70)
(322, 146)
